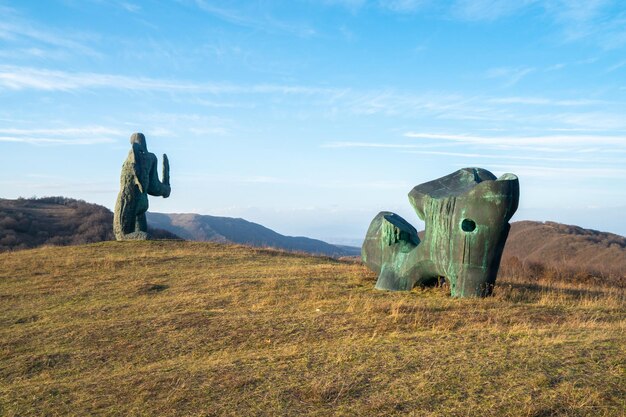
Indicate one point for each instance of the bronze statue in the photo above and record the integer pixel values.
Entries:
(139, 178)
(467, 222)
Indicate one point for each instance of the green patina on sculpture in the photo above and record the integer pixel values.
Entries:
(466, 215)
(139, 178)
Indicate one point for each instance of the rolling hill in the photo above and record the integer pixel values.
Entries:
(205, 228)
(532, 246)
(570, 248)
(28, 223)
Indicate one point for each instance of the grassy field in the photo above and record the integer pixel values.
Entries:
(198, 329)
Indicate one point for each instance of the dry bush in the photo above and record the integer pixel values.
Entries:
(28, 223)
(533, 271)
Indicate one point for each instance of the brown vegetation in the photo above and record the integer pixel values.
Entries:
(560, 247)
(27, 223)
(202, 329)
(59, 221)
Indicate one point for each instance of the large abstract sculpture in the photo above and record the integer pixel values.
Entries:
(466, 215)
(139, 178)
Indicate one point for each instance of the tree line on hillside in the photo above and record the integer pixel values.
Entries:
(27, 223)
(31, 222)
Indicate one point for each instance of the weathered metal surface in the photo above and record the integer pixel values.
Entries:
(466, 215)
(139, 178)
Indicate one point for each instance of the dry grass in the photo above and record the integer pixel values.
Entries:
(200, 329)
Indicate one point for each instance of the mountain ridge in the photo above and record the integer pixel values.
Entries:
(202, 227)
(28, 223)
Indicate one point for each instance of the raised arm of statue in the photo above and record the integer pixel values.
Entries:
(156, 187)
(166, 170)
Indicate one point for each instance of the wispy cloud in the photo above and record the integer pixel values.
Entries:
(502, 156)
(403, 6)
(563, 172)
(616, 66)
(487, 9)
(510, 75)
(348, 144)
(257, 19)
(440, 105)
(505, 154)
(543, 101)
(602, 21)
(352, 5)
(181, 125)
(37, 38)
(508, 141)
(304, 182)
(556, 67)
(90, 135)
(337, 100)
(22, 78)
(130, 7)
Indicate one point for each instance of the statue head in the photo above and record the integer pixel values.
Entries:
(139, 139)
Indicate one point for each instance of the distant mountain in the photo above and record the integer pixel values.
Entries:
(565, 246)
(27, 223)
(228, 229)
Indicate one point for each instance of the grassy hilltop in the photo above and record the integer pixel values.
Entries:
(167, 328)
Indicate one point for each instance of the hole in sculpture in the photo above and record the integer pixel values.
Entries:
(468, 225)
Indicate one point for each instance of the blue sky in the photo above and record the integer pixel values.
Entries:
(311, 116)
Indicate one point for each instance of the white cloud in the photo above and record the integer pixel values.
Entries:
(367, 145)
(563, 172)
(506, 149)
(300, 182)
(511, 76)
(130, 7)
(349, 4)
(590, 19)
(89, 135)
(36, 37)
(556, 67)
(22, 78)
(503, 156)
(516, 141)
(344, 101)
(256, 18)
(403, 6)
(543, 101)
(616, 66)
(39, 140)
(600, 21)
(487, 9)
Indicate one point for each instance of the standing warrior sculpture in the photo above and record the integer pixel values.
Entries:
(139, 178)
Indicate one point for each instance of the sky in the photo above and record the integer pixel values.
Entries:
(310, 117)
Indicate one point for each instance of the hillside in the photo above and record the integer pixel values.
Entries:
(567, 247)
(533, 248)
(166, 328)
(205, 228)
(27, 223)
